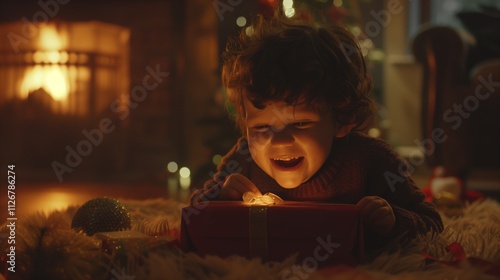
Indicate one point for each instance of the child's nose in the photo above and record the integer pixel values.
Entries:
(282, 138)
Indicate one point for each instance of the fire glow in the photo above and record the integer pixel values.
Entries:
(69, 68)
(49, 72)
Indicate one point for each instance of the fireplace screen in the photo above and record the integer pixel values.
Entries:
(71, 68)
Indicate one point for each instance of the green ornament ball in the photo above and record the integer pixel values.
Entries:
(101, 214)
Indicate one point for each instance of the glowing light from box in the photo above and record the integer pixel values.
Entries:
(172, 167)
(288, 8)
(337, 3)
(287, 4)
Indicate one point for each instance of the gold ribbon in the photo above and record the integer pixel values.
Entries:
(258, 231)
(258, 221)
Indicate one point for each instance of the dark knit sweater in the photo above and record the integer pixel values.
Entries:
(358, 166)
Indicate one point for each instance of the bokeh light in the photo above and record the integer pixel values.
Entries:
(172, 167)
(241, 21)
(184, 172)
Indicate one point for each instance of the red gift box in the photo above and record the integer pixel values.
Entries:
(318, 232)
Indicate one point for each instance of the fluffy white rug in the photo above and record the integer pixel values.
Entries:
(47, 248)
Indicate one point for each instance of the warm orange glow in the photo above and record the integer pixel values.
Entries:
(50, 76)
(50, 39)
(69, 68)
(55, 200)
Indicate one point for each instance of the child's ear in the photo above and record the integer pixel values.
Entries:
(343, 130)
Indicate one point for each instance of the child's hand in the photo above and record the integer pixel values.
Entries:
(377, 214)
(235, 186)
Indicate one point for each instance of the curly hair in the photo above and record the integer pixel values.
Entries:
(296, 61)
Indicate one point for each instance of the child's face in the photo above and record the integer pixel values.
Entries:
(289, 143)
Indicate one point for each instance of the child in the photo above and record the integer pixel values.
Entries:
(302, 95)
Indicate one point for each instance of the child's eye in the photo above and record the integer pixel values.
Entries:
(302, 124)
(261, 128)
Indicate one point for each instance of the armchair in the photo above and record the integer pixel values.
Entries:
(460, 99)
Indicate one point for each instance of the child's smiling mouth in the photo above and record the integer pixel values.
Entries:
(287, 163)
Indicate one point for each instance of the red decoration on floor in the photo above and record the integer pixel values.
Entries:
(459, 255)
(442, 185)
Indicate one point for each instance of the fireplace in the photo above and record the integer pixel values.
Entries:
(71, 68)
(101, 52)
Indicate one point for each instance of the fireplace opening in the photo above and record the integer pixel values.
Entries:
(73, 68)
(56, 79)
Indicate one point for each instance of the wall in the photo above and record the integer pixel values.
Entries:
(402, 82)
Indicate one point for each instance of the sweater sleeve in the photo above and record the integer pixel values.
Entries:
(390, 179)
(235, 161)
